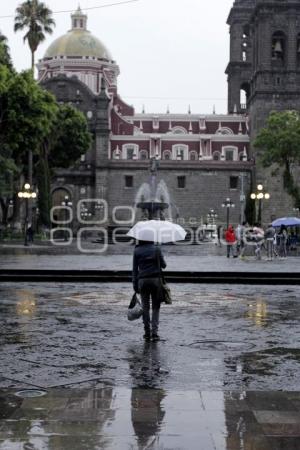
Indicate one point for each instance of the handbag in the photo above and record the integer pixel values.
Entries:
(166, 296)
(135, 309)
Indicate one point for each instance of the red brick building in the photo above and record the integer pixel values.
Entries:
(203, 159)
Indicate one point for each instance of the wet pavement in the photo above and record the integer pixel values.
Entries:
(138, 418)
(119, 257)
(225, 375)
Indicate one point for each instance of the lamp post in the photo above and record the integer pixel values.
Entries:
(242, 196)
(296, 210)
(84, 213)
(211, 220)
(211, 216)
(68, 204)
(260, 195)
(99, 207)
(228, 204)
(27, 194)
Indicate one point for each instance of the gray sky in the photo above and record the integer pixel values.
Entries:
(170, 52)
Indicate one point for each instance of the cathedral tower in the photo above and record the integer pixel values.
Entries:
(275, 81)
(240, 67)
(264, 73)
(264, 67)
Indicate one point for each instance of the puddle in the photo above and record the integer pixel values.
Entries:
(220, 345)
(30, 393)
(290, 353)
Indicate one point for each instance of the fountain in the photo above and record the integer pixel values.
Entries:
(153, 199)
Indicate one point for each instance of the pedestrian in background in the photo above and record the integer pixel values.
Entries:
(259, 239)
(219, 231)
(269, 237)
(240, 236)
(230, 239)
(282, 236)
(30, 234)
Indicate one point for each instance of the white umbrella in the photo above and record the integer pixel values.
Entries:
(161, 231)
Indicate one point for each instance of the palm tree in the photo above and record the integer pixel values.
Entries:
(37, 19)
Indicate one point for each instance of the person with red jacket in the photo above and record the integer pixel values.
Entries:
(230, 241)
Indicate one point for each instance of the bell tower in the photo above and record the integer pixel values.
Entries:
(275, 80)
(240, 67)
(264, 75)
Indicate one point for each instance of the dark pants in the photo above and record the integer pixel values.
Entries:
(230, 249)
(150, 287)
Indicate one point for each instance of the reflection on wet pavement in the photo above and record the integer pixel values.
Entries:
(225, 375)
(139, 418)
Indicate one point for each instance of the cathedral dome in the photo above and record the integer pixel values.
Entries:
(78, 42)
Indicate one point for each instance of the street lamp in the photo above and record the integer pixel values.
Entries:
(296, 210)
(68, 204)
(27, 194)
(228, 204)
(211, 220)
(84, 213)
(259, 195)
(211, 216)
(99, 208)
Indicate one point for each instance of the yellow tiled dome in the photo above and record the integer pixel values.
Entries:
(78, 43)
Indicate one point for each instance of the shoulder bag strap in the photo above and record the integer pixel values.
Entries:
(159, 266)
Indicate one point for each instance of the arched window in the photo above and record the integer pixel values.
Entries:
(180, 152)
(193, 156)
(278, 47)
(143, 154)
(230, 153)
(179, 130)
(59, 198)
(167, 155)
(216, 156)
(130, 151)
(224, 130)
(244, 95)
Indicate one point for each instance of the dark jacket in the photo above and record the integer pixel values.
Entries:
(145, 262)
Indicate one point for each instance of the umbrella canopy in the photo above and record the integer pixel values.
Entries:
(287, 221)
(161, 231)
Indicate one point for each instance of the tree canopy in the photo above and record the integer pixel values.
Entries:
(5, 58)
(71, 137)
(279, 142)
(31, 120)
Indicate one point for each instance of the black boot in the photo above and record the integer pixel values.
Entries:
(147, 335)
(155, 337)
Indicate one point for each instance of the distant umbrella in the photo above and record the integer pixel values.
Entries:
(161, 231)
(287, 221)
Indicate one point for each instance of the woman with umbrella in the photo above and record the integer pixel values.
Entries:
(147, 261)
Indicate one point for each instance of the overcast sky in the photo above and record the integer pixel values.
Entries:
(170, 52)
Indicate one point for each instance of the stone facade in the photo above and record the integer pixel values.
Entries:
(202, 159)
(265, 68)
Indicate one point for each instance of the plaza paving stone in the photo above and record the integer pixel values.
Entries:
(205, 257)
(225, 375)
